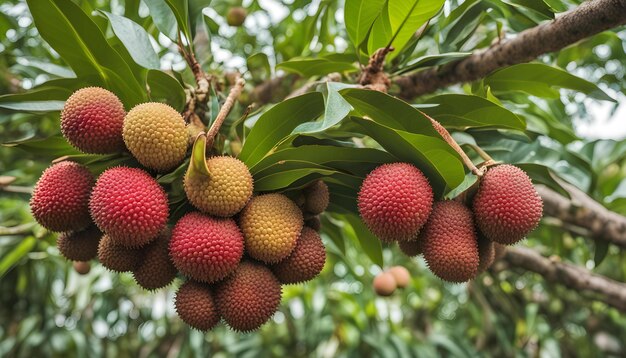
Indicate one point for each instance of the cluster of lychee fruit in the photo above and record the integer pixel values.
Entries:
(386, 282)
(396, 202)
(234, 248)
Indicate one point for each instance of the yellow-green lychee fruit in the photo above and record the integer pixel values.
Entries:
(271, 225)
(225, 191)
(156, 135)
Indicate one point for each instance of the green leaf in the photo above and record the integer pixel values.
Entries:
(277, 123)
(165, 88)
(12, 257)
(465, 20)
(369, 243)
(287, 173)
(33, 106)
(359, 15)
(432, 60)
(310, 67)
(540, 80)
(48, 67)
(82, 45)
(51, 147)
(439, 162)
(601, 249)
(163, 18)
(197, 165)
(135, 39)
(259, 66)
(336, 109)
(538, 6)
(398, 23)
(180, 8)
(466, 111)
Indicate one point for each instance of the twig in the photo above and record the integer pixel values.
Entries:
(373, 75)
(225, 110)
(16, 230)
(17, 189)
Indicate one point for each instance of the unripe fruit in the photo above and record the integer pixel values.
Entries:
(156, 135)
(225, 192)
(156, 269)
(306, 260)
(395, 201)
(92, 120)
(401, 275)
(236, 16)
(316, 197)
(486, 253)
(60, 200)
(129, 206)
(411, 248)
(507, 207)
(384, 284)
(271, 225)
(449, 245)
(118, 258)
(248, 298)
(80, 245)
(195, 305)
(81, 267)
(204, 248)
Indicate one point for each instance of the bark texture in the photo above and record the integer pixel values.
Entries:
(590, 18)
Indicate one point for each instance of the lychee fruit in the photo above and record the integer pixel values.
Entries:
(449, 245)
(195, 305)
(156, 269)
(156, 135)
(236, 16)
(205, 248)
(81, 267)
(306, 260)
(92, 120)
(486, 253)
(271, 225)
(384, 284)
(401, 275)
(314, 223)
(116, 257)
(248, 298)
(411, 248)
(225, 191)
(395, 201)
(129, 206)
(316, 197)
(507, 207)
(60, 200)
(80, 245)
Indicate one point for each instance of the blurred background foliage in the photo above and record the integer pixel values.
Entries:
(47, 309)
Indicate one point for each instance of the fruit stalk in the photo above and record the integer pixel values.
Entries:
(235, 92)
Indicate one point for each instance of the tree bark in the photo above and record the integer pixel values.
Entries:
(590, 18)
(576, 278)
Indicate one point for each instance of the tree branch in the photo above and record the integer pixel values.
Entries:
(582, 211)
(235, 92)
(574, 277)
(590, 18)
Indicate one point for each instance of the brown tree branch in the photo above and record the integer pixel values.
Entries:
(235, 92)
(590, 18)
(582, 211)
(574, 277)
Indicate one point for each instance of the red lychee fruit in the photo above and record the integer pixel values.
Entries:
(195, 305)
(306, 260)
(80, 245)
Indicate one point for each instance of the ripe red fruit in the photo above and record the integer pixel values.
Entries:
(411, 248)
(486, 253)
(306, 260)
(401, 275)
(204, 248)
(195, 305)
(248, 298)
(118, 258)
(384, 284)
(316, 197)
(60, 200)
(156, 269)
(395, 201)
(449, 242)
(81, 267)
(507, 207)
(92, 120)
(129, 206)
(80, 245)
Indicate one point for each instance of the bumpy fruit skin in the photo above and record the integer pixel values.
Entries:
(486, 253)
(271, 225)
(81, 267)
(306, 260)
(118, 258)
(236, 16)
(401, 275)
(156, 269)
(395, 201)
(411, 248)
(60, 200)
(316, 197)
(507, 207)
(204, 248)
(92, 120)
(225, 192)
(248, 298)
(156, 135)
(449, 245)
(80, 245)
(314, 223)
(195, 305)
(384, 284)
(129, 206)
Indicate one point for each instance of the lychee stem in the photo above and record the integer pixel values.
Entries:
(482, 153)
(235, 92)
(448, 138)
